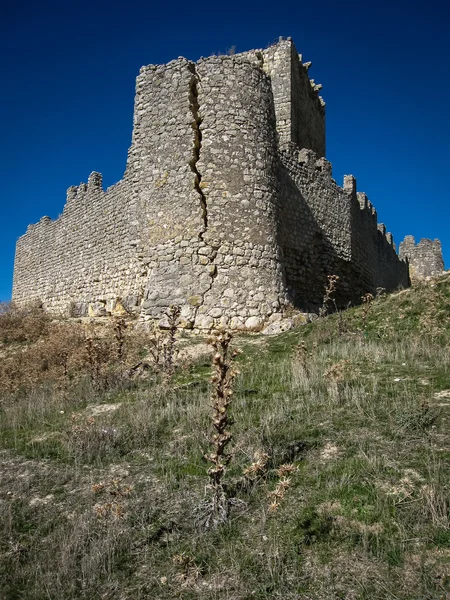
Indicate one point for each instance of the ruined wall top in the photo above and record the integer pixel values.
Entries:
(425, 258)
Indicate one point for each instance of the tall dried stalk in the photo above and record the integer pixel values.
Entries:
(173, 317)
(330, 289)
(120, 326)
(367, 302)
(215, 511)
(93, 360)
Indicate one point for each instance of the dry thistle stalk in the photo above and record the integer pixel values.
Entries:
(161, 345)
(330, 289)
(222, 393)
(120, 326)
(283, 484)
(367, 302)
(154, 347)
(93, 360)
(214, 512)
(302, 356)
(173, 317)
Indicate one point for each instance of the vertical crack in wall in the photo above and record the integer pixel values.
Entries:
(196, 122)
(193, 164)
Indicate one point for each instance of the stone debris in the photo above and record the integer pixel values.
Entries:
(278, 327)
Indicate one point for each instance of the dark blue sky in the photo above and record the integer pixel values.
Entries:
(68, 72)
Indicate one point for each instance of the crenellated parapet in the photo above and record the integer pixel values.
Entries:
(345, 234)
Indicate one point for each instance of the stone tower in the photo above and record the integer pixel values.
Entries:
(425, 258)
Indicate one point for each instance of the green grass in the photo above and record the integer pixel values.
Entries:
(365, 516)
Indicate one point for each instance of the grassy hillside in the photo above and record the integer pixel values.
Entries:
(339, 462)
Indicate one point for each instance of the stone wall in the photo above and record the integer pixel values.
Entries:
(227, 206)
(327, 229)
(86, 254)
(425, 258)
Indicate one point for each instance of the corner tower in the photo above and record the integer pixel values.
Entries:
(299, 110)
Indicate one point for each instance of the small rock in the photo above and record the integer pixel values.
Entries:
(236, 323)
(97, 309)
(274, 317)
(278, 327)
(97, 409)
(164, 323)
(195, 300)
(203, 322)
(253, 323)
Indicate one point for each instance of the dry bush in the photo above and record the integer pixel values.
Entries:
(66, 352)
(277, 495)
(61, 352)
(55, 357)
(155, 348)
(26, 324)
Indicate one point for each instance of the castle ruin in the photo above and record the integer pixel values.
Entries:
(227, 206)
(424, 258)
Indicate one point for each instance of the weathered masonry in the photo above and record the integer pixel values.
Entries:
(227, 205)
(425, 257)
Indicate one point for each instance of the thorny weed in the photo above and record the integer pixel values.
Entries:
(94, 362)
(367, 300)
(160, 347)
(330, 290)
(120, 325)
(190, 572)
(173, 317)
(258, 467)
(336, 375)
(113, 493)
(214, 512)
(302, 356)
(277, 495)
